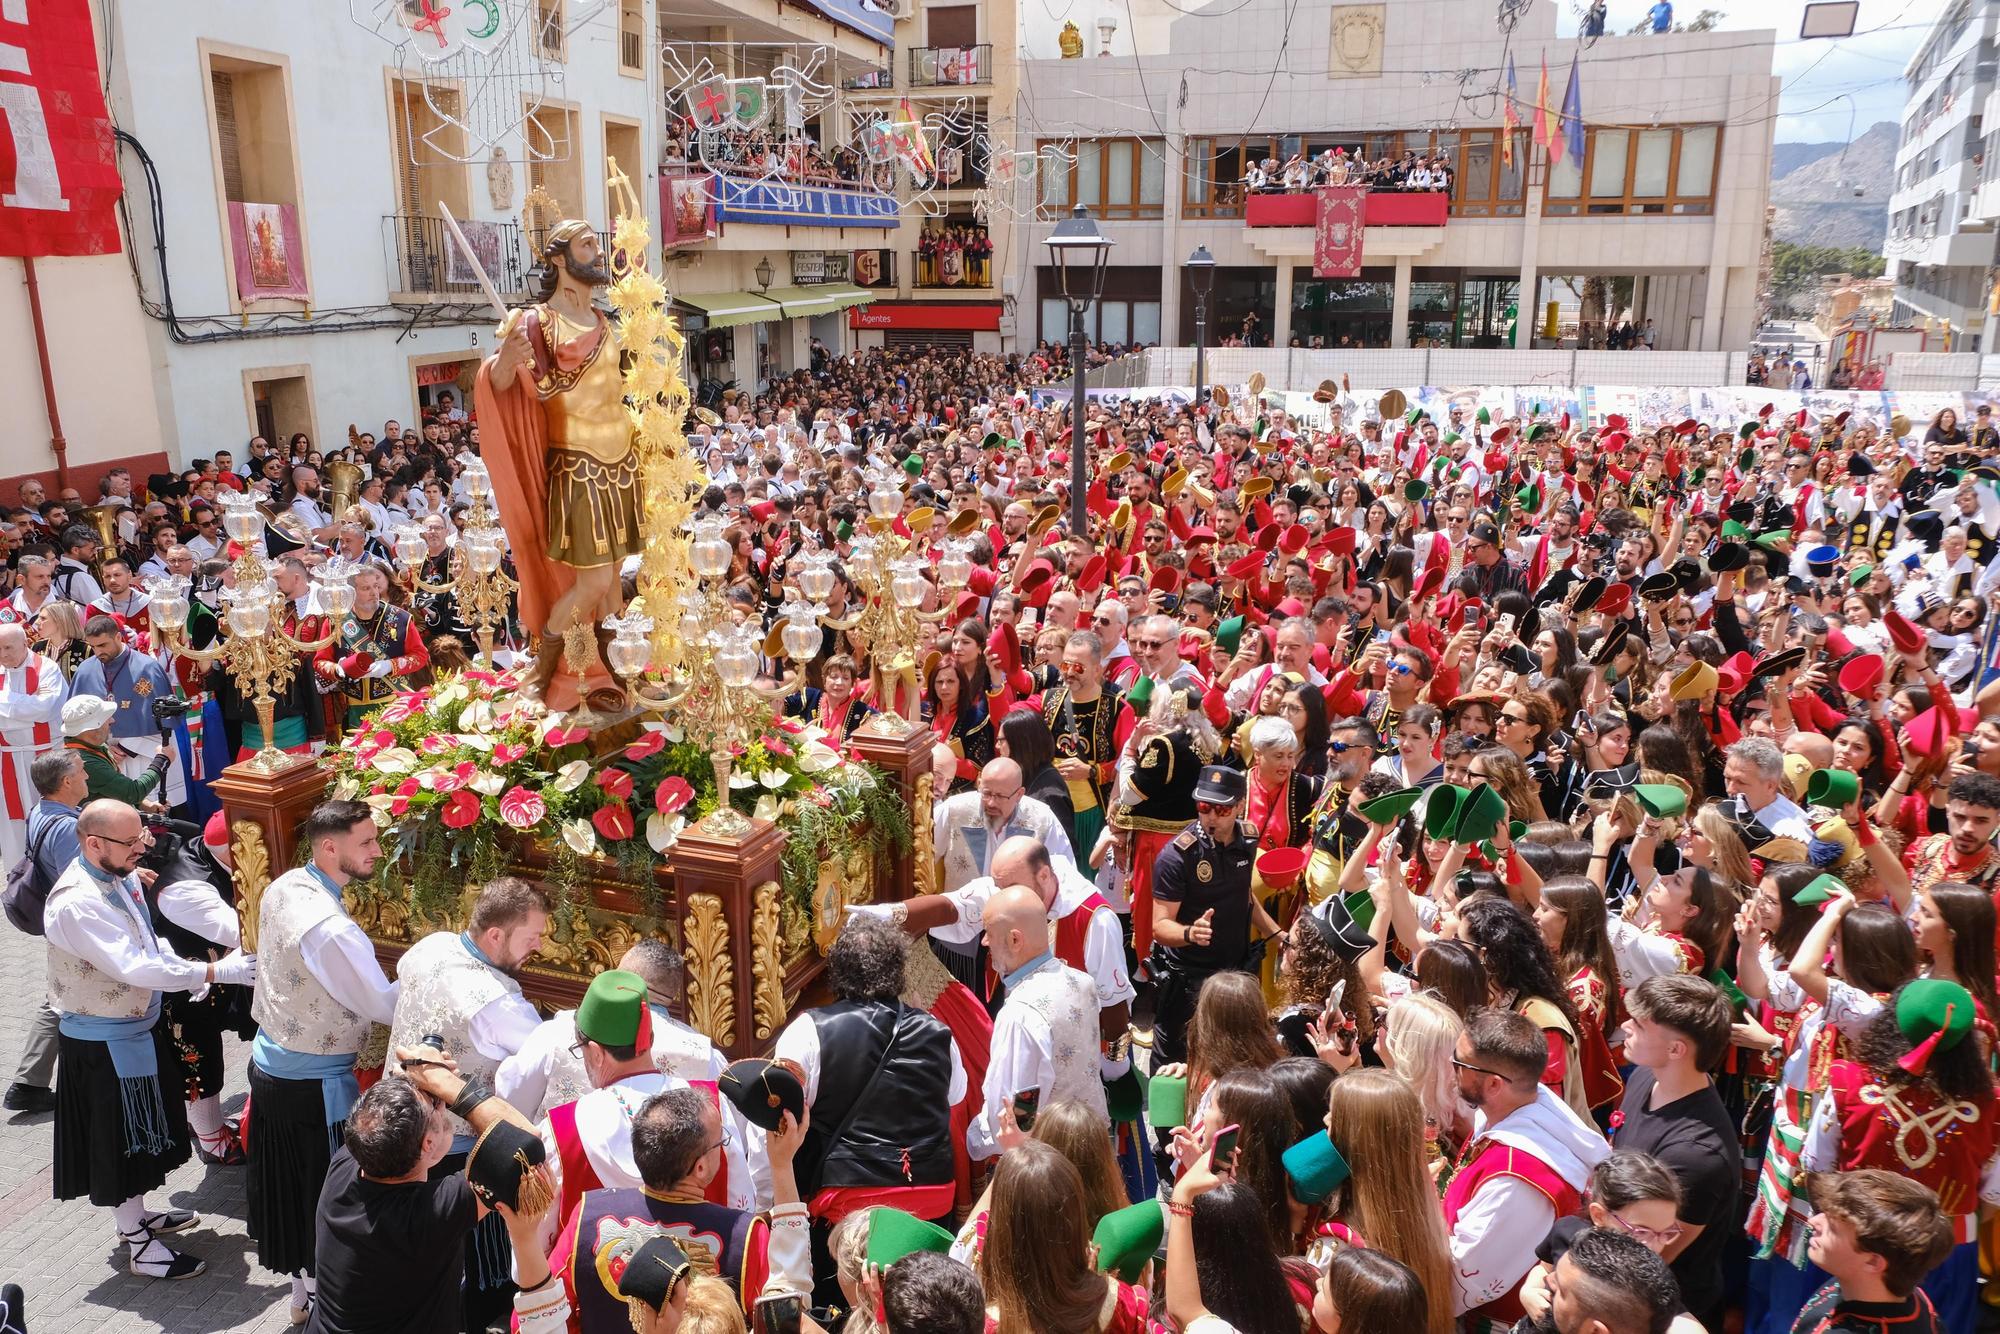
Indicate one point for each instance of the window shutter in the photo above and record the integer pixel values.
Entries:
(224, 87)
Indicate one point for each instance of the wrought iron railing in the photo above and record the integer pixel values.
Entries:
(934, 65)
(424, 261)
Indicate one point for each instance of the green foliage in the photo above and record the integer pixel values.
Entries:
(1797, 269)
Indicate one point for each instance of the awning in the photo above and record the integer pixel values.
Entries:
(800, 302)
(844, 296)
(731, 308)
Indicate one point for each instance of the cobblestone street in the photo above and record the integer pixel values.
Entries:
(65, 1255)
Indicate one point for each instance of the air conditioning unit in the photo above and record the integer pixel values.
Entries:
(900, 10)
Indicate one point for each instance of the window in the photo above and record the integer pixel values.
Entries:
(1212, 185)
(429, 149)
(1484, 185)
(255, 154)
(551, 35)
(1113, 178)
(1635, 171)
(621, 143)
(555, 156)
(632, 38)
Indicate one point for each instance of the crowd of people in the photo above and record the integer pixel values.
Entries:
(1336, 166)
(1467, 870)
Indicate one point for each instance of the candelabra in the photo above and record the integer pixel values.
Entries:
(889, 570)
(258, 651)
(479, 585)
(717, 693)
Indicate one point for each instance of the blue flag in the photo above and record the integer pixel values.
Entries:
(1572, 115)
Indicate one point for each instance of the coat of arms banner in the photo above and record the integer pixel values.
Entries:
(1337, 231)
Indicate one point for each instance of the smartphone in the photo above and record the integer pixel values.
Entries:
(780, 1313)
(1504, 626)
(1025, 1104)
(1580, 723)
(1381, 637)
(1223, 1157)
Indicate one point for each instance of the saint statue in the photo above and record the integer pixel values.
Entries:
(559, 445)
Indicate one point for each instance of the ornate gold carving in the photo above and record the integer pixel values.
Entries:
(923, 853)
(711, 973)
(767, 961)
(253, 874)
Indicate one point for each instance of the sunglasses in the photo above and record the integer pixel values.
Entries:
(1213, 807)
(1476, 1069)
(1148, 643)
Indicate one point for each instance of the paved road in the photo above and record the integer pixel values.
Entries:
(66, 1255)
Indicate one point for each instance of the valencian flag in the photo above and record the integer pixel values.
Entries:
(911, 145)
(1572, 115)
(59, 181)
(1510, 116)
(1544, 133)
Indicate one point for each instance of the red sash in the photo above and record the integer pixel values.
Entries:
(579, 1176)
(1073, 931)
(41, 738)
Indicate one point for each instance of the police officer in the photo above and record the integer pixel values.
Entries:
(1204, 916)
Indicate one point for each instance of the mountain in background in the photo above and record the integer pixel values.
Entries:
(1823, 197)
(1787, 158)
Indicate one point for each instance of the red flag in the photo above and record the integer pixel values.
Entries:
(58, 161)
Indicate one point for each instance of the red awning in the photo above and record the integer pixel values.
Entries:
(981, 316)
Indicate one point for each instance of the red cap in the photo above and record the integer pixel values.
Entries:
(1862, 674)
(1166, 579)
(1245, 567)
(215, 833)
(1295, 539)
(1215, 705)
(1615, 600)
(1267, 537)
(1340, 542)
(1092, 576)
(1906, 636)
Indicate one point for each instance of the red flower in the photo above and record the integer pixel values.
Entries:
(384, 738)
(484, 678)
(788, 725)
(672, 795)
(456, 779)
(777, 747)
(409, 787)
(559, 737)
(461, 808)
(616, 782)
(506, 752)
(648, 745)
(613, 820)
(399, 806)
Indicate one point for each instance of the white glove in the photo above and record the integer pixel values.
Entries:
(382, 668)
(236, 969)
(881, 910)
(339, 672)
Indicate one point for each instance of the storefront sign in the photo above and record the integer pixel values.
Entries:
(818, 266)
(979, 316)
(443, 372)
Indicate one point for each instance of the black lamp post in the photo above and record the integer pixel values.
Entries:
(1201, 274)
(1078, 250)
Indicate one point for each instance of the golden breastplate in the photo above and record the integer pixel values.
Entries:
(588, 416)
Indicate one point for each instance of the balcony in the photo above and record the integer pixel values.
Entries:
(878, 76)
(1381, 208)
(938, 66)
(425, 262)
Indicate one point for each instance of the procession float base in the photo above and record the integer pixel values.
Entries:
(754, 952)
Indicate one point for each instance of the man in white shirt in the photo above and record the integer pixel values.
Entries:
(548, 1071)
(1754, 770)
(118, 1134)
(314, 1005)
(1292, 653)
(306, 506)
(1045, 1036)
(31, 700)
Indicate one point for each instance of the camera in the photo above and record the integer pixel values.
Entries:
(170, 709)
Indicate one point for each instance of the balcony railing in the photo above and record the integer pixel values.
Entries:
(879, 76)
(931, 66)
(424, 260)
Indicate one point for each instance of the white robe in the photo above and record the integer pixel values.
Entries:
(21, 711)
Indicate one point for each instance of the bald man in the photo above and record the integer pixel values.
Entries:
(968, 829)
(1045, 1036)
(31, 700)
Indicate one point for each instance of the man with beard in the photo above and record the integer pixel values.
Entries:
(320, 993)
(464, 987)
(1529, 1159)
(564, 466)
(1090, 729)
(306, 507)
(375, 647)
(1965, 852)
(1608, 1283)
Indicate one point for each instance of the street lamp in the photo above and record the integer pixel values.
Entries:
(1078, 251)
(764, 274)
(1201, 274)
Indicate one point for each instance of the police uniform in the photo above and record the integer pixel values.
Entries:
(1197, 874)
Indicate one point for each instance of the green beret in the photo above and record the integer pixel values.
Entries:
(1483, 417)
(1441, 811)
(1316, 1167)
(1125, 1095)
(1662, 801)
(613, 1011)
(893, 1234)
(1819, 891)
(1481, 813)
(1934, 1006)
(914, 465)
(1229, 634)
(1141, 693)
(1391, 805)
(1166, 1101)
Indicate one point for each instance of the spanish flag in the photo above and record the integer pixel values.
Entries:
(1544, 127)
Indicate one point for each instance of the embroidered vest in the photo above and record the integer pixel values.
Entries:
(579, 1174)
(382, 637)
(1067, 1000)
(444, 985)
(1072, 933)
(1486, 1160)
(78, 986)
(611, 1226)
(1909, 1128)
(289, 1002)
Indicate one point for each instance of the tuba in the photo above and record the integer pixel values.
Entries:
(104, 518)
(343, 486)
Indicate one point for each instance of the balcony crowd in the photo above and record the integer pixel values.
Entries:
(1336, 166)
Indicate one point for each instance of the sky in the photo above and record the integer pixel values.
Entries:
(1826, 82)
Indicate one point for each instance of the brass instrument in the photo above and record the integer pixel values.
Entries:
(343, 486)
(104, 518)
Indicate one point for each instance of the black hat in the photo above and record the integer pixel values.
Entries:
(1860, 465)
(1587, 596)
(1487, 533)
(1658, 587)
(278, 542)
(1607, 647)
(652, 1272)
(1220, 785)
(764, 1091)
(1777, 664)
(1516, 657)
(1334, 924)
(1687, 574)
(1743, 511)
(1603, 783)
(1597, 538)
(1728, 556)
(501, 1168)
(1736, 810)
(1927, 526)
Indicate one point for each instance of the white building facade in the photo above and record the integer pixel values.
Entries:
(1666, 207)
